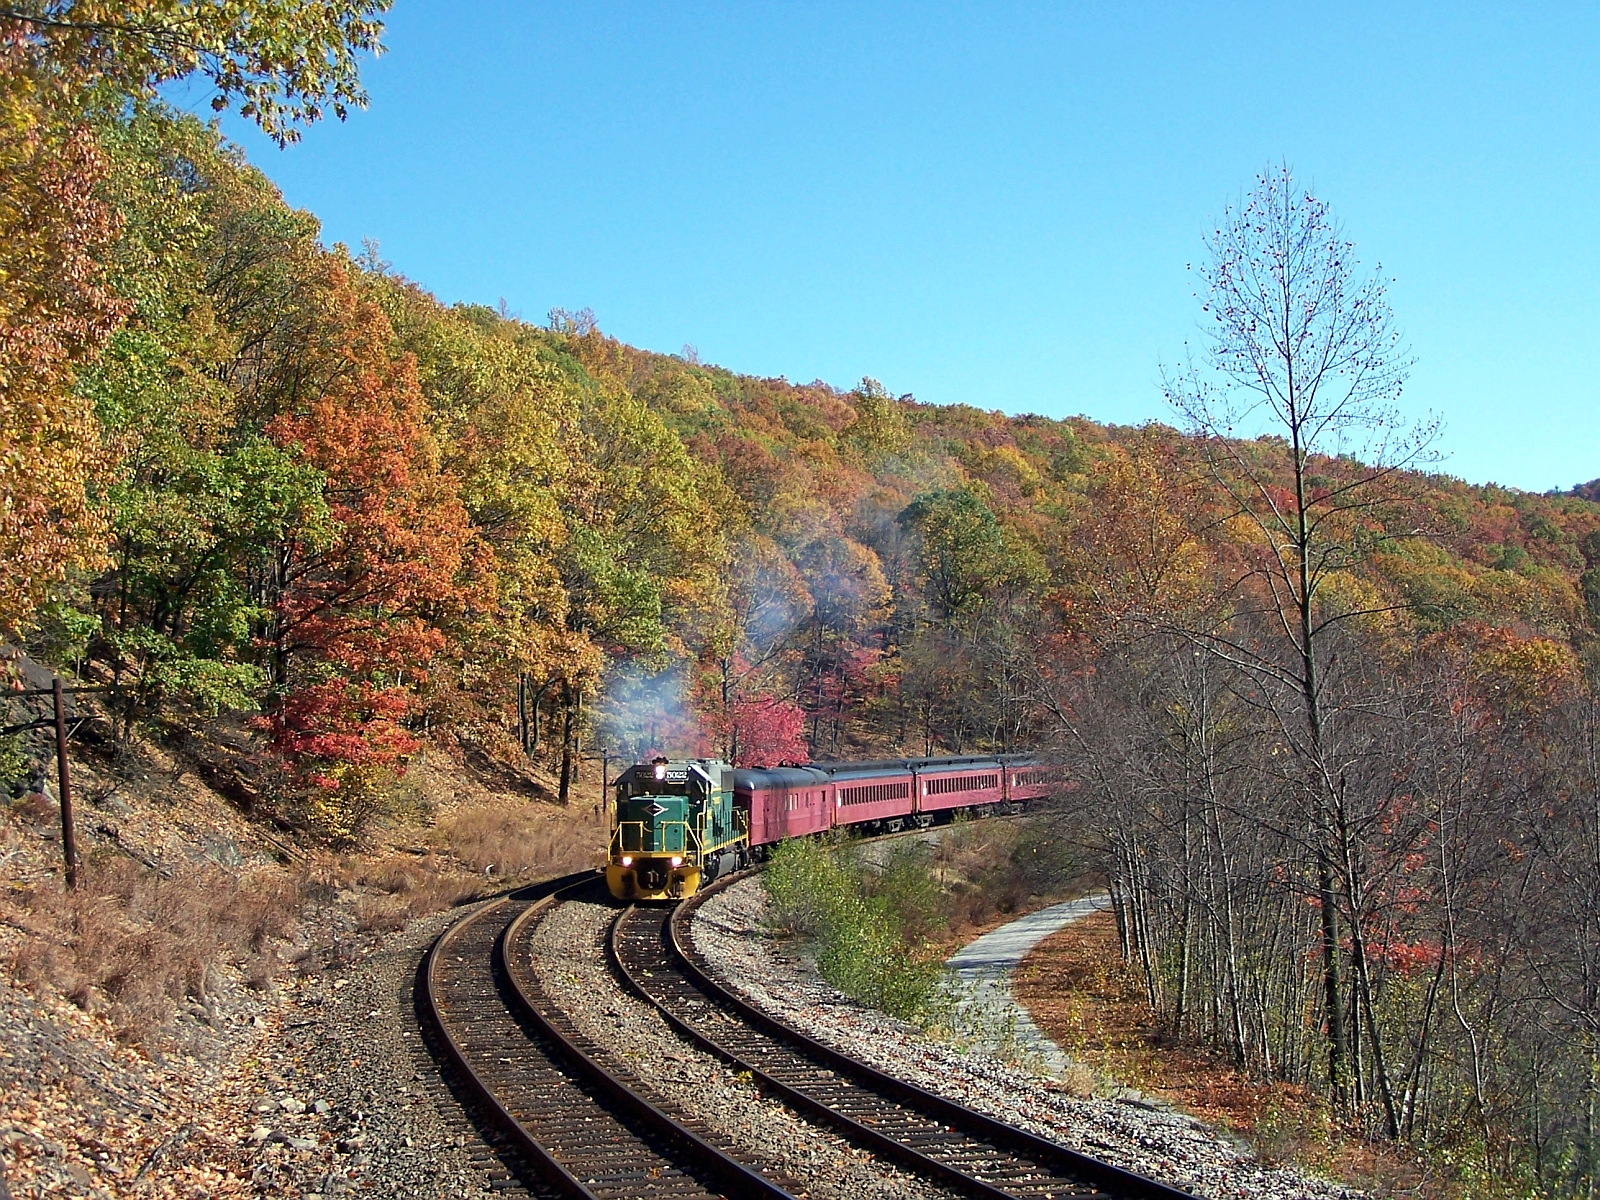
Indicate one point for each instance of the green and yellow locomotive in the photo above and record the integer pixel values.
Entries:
(676, 828)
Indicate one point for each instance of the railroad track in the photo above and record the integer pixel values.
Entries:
(966, 1151)
(579, 1127)
(567, 1118)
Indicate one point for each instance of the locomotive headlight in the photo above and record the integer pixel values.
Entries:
(627, 860)
(660, 765)
(677, 860)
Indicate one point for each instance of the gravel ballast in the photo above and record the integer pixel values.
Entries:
(730, 932)
(569, 962)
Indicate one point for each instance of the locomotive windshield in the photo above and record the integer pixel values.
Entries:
(630, 788)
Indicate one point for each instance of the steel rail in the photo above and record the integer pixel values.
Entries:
(580, 1128)
(529, 998)
(549, 1168)
(954, 1117)
(633, 972)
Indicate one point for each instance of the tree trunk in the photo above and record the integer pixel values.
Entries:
(567, 704)
(1321, 791)
(1363, 981)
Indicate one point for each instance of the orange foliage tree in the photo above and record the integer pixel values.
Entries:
(55, 314)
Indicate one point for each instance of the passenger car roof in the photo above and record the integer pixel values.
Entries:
(822, 773)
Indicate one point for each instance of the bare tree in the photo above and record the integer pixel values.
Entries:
(1301, 346)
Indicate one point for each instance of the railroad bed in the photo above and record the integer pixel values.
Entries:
(584, 1124)
(582, 1128)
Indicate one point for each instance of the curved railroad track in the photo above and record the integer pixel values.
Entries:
(578, 1126)
(967, 1151)
(569, 1119)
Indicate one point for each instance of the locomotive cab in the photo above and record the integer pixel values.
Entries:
(676, 828)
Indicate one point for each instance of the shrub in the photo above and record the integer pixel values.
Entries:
(908, 886)
(339, 805)
(877, 927)
(802, 880)
(865, 942)
(15, 761)
(993, 868)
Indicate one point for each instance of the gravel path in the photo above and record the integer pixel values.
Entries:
(569, 960)
(983, 968)
(730, 932)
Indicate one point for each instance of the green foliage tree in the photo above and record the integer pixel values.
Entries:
(201, 495)
(878, 430)
(961, 549)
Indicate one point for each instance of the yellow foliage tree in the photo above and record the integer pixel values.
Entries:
(1134, 555)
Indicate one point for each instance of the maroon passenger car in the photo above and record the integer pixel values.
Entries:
(886, 795)
(783, 802)
(944, 785)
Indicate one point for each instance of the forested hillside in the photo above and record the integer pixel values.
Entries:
(1332, 719)
(320, 494)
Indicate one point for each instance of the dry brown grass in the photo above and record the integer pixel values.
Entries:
(398, 888)
(138, 945)
(472, 852)
(135, 944)
(517, 844)
(141, 945)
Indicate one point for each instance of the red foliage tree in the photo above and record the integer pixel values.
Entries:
(342, 723)
(754, 729)
(363, 596)
(766, 731)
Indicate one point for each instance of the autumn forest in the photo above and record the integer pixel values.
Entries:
(1332, 717)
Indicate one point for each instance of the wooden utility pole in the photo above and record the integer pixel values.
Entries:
(69, 833)
(69, 830)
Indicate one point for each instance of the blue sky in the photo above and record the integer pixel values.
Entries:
(992, 204)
